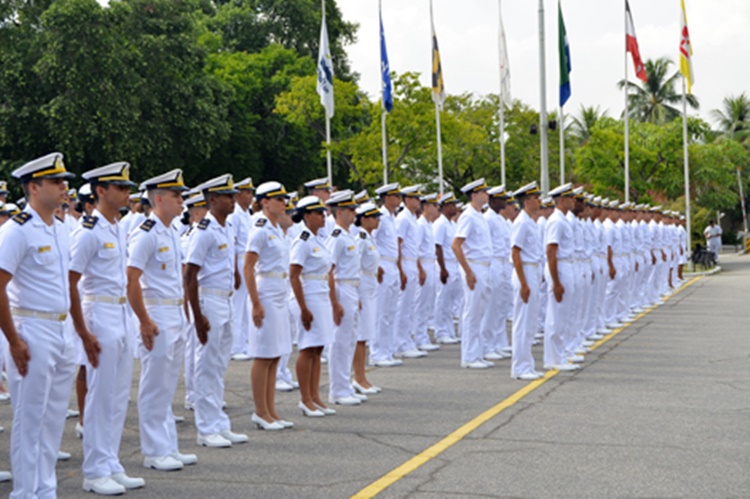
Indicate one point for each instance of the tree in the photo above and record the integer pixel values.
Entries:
(581, 126)
(655, 100)
(734, 118)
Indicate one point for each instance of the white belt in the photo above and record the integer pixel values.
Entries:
(479, 262)
(370, 274)
(531, 264)
(216, 292)
(50, 316)
(348, 282)
(315, 277)
(584, 260)
(273, 275)
(116, 300)
(564, 260)
(168, 302)
(409, 258)
(389, 259)
(427, 260)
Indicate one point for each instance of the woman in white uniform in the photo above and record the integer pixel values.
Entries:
(368, 220)
(308, 272)
(266, 264)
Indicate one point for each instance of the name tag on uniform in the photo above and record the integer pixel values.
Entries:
(44, 249)
(350, 248)
(271, 237)
(315, 250)
(372, 248)
(222, 246)
(109, 245)
(163, 249)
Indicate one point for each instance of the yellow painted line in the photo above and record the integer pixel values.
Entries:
(456, 436)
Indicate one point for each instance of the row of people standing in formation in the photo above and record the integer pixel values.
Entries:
(211, 280)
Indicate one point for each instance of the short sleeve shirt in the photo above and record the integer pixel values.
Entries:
(526, 236)
(344, 254)
(98, 253)
(310, 253)
(155, 249)
(211, 247)
(270, 244)
(474, 230)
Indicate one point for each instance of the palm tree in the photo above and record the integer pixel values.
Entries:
(582, 125)
(734, 118)
(656, 100)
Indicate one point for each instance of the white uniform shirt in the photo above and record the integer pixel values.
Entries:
(98, 254)
(526, 236)
(713, 231)
(444, 231)
(270, 244)
(133, 223)
(241, 224)
(310, 253)
(409, 233)
(589, 238)
(612, 237)
(475, 231)
(344, 255)
(155, 249)
(601, 242)
(369, 255)
(329, 227)
(38, 257)
(426, 239)
(385, 236)
(211, 247)
(499, 234)
(559, 231)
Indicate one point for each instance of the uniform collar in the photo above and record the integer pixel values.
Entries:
(101, 218)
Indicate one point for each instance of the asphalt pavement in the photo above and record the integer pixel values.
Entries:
(662, 409)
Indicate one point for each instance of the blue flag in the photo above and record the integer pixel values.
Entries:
(385, 71)
(564, 50)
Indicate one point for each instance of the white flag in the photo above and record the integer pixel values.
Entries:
(325, 71)
(504, 67)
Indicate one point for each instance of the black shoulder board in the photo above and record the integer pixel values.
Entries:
(187, 233)
(203, 225)
(148, 224)
(89, 222)
(304, 235)
(22, 218)
(261, 222)
(363, 234)
(336, 232)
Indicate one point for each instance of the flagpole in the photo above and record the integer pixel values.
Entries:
(562, 146)
(328, 120)
(627, 115)
(688, 227)
(543, 103)
(437, 121)
(502, 95)
(383, 112)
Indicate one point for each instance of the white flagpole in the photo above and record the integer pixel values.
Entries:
(328, 121)
(562, 145)
(437, 123)
(742, 200)
(543, 103)
(502, 97)
(688, 227)
(383, 112)
(627, 115)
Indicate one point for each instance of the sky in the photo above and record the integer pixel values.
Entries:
(467, 33)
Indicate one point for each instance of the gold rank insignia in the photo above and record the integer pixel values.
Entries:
(109, 245)
(222, 246)
(45, 249)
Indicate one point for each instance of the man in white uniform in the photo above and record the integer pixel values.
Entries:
(449, 288)
(241, 224)
(426, 292)
(713, 238)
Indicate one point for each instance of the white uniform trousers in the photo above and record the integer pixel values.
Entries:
(160, 372)
(211, 362)
(368, 297)
(426, 302)
(558, 320)
(383, 346)
(592, 307)
(406, 311)
(652, 291)
(543, 285)
(576, 308)
(344, 343)
(191, 340)
(445, 303)
(241, 313)
(108, 388)
(476, 303)
(613, 290)
(40, 402)
(525, 320)
(587, 288)
(600, 293)
(494, 335)
(283, 373)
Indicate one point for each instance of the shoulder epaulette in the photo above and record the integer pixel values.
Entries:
(203, 225)
(363, 235)
(187, 232)
(148, 224)
(261, 222)
(89, 222)
(304, 235)
(22, 218)
(336, 232)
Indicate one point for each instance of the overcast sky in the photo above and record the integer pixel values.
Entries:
(467, 35)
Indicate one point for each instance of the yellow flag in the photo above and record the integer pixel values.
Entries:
(686, 51)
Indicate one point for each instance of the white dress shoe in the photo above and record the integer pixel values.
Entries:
(185, 459)
(128, 482)
(587, 343)
(429, 347)
(361, 396)
(79, 430)
(582, 351)
(562, 367)
(283, 386)
(189, 406)
(527, 376)
(104, 486)
(295, 385)
(240, 357)
(596, 337)
(235, 438)
(164, 463)
(387, 363)
(4, 396)
(286, 424)
(615, 325)
(317, 413)
(413, 354)
(576, 358)
(6, 476)
(477, 364)
(445, 340)
(495, 356)
(179, 419)
(214, 440)
(351, 400)
(489, 363)
(262, 424)
(603, 331)
(325, 410)
(361, 389)
(63, 456)
(72, 413)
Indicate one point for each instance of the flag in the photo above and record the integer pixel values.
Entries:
(325, 71)
(438, 87)
(504, 67)
(686, 51)
(631, 44)
(385, 71)
(564, 49)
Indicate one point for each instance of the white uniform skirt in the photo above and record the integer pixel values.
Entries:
(368, 296)
(272, 339)
(321, 330)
